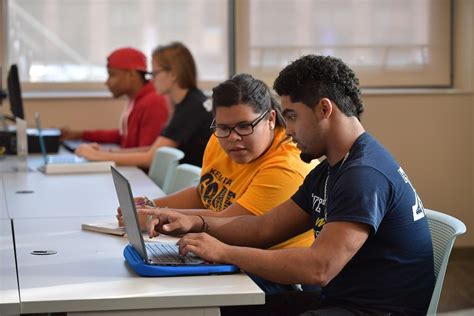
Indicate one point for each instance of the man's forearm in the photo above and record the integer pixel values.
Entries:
(241, 230)
(285, 266)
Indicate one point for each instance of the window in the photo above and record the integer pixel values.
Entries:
(64, 41)
(389, 43)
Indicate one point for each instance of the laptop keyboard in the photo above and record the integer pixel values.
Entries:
(169, 253)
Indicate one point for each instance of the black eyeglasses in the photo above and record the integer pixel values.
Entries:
(242, 129)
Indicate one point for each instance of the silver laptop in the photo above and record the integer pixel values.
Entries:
(157, 253)
(67, 163)
(57, 158)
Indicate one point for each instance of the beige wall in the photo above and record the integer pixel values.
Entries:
(432, 138)
(430, 134)
(77, 113)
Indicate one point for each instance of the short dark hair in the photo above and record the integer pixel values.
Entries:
(311, 78)
(245, 89)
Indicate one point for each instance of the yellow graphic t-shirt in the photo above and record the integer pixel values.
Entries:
(258, 186)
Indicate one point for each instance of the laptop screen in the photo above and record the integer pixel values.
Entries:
(14, 93)
(126, 202)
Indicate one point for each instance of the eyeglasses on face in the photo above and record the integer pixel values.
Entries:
(242, 129)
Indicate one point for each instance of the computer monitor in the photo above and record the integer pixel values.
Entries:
(3, 94)
(14, 92)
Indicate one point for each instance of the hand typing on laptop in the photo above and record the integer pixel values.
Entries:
(157, 258)
(196, 241)
(164, 221)
(205, 247)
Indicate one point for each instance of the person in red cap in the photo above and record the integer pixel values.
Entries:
(146, 113)
(175, 76)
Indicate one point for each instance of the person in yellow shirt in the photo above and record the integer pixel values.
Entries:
(249, 165)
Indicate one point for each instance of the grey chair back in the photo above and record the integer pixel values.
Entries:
(163, 166)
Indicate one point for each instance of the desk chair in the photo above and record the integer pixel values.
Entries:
(186, 175)
(163, 166)
(444, 230)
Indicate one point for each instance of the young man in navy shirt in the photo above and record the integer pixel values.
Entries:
(372, 253)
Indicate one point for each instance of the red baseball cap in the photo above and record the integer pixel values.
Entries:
(127, 58)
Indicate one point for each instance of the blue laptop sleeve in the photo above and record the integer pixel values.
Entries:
(136, 262)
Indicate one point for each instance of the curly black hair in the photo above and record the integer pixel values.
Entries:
(311, 78)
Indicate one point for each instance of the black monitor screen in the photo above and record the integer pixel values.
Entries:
(14, 93)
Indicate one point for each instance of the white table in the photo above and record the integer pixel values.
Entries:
(3, 202)
(9, 298)
(11, 163)
(34, 194)
(88, 274)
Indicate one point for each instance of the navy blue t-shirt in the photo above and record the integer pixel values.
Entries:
(393, 271)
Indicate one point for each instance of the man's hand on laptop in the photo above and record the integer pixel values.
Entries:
(165, 221)
(204, 246)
